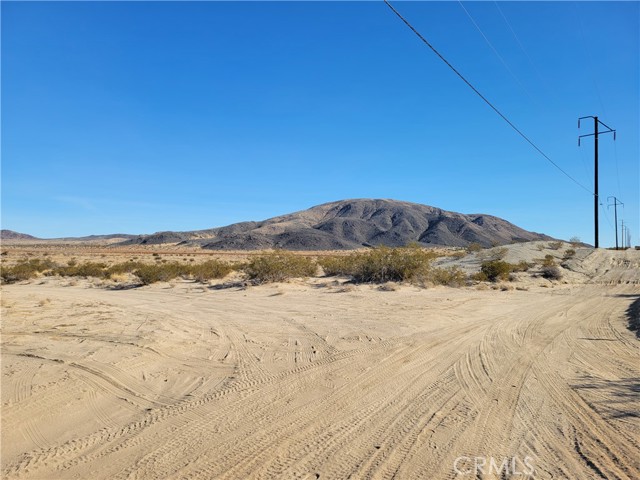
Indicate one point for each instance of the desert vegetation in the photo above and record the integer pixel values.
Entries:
(144, 273)
(279, 266)
(410, 264)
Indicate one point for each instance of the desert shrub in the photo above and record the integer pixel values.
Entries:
(124, 267)
(384, 264)
(337, 264)
(479, 277)
(474, 247)
(548, 261)
(279, 266)
(521, 266)
(500, 253)
(575, 241)
(551, 272)
(25, 269)
(89, 269)
(459, 254)
(569, 253)
(554, 245)
(450, 277)
(149, 274)
(209, 270)
(496, 270)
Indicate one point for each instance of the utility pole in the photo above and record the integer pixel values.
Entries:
(622, 234)
(596, 198)
(616, 202)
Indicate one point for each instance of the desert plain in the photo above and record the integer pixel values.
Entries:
(322, 379)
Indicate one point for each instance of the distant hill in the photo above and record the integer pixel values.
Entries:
(11, 235)
(350, 224)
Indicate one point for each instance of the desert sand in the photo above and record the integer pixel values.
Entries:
(319, 379)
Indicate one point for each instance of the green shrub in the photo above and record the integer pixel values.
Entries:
(209, 270)
(337, 264)
(25, 269)
(279, 266)
(124, 267)
(383, 264)
(496, 270)
(149, 274)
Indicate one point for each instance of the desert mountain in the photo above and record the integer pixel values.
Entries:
(349, 224)
(11, 235)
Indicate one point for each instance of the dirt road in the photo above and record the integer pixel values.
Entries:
(309, 381)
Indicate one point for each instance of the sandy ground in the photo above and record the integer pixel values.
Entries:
(314, 379)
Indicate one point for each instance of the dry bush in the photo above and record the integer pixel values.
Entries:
(499, 253)
(551, 272)
(569, 253)
(279, 266)
(521, 266)
(548, 261)
(474, 247)
(449, 277)
(554, 245)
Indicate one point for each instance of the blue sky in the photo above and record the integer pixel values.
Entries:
(141, 117)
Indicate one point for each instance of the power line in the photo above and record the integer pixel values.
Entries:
(515, 35)
(426, 42)
(592, 71)
(500, 57)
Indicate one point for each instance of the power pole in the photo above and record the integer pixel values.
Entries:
(596, 198)
(622, 234)
(616, 202)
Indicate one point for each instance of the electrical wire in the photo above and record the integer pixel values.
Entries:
(515, 35)
(500, 57)
(517, 130)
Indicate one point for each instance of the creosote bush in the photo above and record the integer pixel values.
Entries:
(25, 269)
(495, 270)
(146, 273)
(209, 270)
(450, 277)
(279, 266)
(382, 264)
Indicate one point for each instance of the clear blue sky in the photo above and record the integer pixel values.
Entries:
(140, 117)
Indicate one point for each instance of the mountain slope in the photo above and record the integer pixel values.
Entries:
(11, 235)
(349, 224)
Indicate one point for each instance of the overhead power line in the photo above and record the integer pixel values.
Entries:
(500, 57)
(477, 92)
